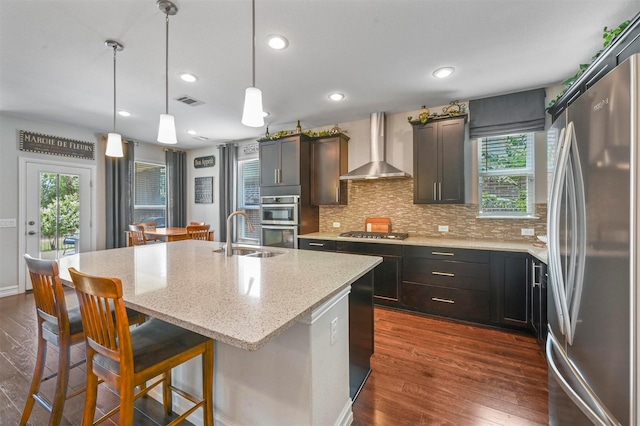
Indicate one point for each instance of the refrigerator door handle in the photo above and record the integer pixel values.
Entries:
(556, 281)
(579, 245)
(596, 412)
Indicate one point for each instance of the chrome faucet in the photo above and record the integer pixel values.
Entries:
(228, 249)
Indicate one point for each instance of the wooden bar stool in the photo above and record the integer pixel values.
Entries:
(138, 237)
(128, 358)
(198, 232)
(59, 326)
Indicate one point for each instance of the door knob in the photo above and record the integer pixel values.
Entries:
(32, 232)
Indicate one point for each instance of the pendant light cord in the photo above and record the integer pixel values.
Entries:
(167, 64)
(253, 45)
(115, 47)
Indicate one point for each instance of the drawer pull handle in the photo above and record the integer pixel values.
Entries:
(316, 244)
(441, 253)
(443, 274)
(437, 299)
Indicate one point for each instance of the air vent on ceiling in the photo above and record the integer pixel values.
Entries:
(188, 100)
(201, 138)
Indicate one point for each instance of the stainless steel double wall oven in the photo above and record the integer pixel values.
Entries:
(280, 220)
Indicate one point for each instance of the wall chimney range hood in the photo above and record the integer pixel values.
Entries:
(377, 167)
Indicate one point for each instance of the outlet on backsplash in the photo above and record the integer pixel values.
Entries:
(443, 228)
(336, 224)
(527, 231)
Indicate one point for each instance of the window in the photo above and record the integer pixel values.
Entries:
(150, 193)
(249, 199)
(506, 178)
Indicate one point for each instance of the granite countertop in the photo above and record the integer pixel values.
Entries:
(538, 252)
(238, 300)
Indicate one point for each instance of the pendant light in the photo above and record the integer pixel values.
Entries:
(114, 140)
(252, 114)
(167, 127)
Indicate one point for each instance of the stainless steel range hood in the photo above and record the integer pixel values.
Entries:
(377, 167)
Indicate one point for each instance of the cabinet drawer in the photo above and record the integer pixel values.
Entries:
(462, 275)
(324, 245)
(448, 302)
(369, 248)
(443, 253)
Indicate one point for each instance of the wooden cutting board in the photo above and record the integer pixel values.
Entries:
(377, 224)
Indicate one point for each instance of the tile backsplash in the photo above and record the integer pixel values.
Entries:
(393, 198)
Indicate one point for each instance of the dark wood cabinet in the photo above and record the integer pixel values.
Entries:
(438, 161)
(360, 319)
(387, 279)
(284, 161)
(453, 283)
(538, 317)
(510, 281)
(329, 161)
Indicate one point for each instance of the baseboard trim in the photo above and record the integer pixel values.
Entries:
(8, 291)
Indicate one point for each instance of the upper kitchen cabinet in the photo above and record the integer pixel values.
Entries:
(285, 161)
(329, 160)
(438, 161)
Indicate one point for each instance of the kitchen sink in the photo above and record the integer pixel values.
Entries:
(251, 252)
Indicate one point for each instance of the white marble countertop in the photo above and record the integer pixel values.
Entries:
(537, 252)
(238, 300)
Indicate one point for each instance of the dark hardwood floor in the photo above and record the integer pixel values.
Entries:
(18, 348)
(426, 371)
(430, 371)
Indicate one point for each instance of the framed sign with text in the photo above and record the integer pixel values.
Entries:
(204, 190)
(53, 145)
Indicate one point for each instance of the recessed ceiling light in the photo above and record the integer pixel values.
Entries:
(192, 132)
(277, 42)
(336, 96)
(443, 72)
(265, 113)
(189, 78)
(124, 113)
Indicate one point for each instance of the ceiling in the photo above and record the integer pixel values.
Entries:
(54, 65)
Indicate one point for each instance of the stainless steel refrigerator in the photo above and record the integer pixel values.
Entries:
(593, 219)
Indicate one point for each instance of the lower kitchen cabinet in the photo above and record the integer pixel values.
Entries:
(360, 319)
(511, 284)
(538, 317)
(447, 282)
(387, 278)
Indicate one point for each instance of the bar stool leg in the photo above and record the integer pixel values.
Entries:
(167, 396)
(37, 377)
(91, 396)
(64, 355)
(207, 383)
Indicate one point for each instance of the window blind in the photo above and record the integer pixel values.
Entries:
(506, 114)
(506, 175)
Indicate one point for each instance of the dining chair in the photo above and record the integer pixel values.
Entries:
(138, 237)
(198, 232)
(62, 328)
(126, 359)
(196, 223)
(149, 226)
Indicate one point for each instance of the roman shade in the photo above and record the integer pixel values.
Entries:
(506, 114)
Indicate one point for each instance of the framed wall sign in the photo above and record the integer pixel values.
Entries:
(208, 161)
(204, 190)
(54, 145)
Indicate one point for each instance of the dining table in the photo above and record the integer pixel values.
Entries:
(166, 234)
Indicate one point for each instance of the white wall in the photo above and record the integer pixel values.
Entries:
(10, 153)
(208, 213)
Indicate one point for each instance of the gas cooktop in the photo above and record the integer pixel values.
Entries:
(376, 235)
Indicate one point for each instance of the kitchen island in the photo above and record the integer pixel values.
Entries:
(280, 323)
